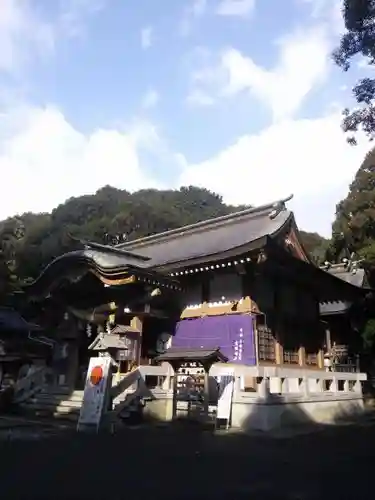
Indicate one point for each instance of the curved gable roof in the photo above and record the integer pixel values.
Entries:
(214, 238)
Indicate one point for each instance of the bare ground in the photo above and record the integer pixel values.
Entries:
(171, 462)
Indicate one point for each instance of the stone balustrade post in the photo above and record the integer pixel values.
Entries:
(319, 385)
(333, 386)
(304, 387)
(264, 388)
(284, 385)
(357, 387)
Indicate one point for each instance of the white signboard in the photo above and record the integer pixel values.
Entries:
(226, 387)
(96, 392)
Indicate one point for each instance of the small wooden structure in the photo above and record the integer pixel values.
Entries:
(193, 364)
(122, 344)
(344, 320)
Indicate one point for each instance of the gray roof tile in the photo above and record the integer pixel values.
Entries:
(354, 276)
(187, 354)
(211, 238)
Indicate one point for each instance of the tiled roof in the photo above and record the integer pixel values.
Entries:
(213, 238)
(346, 272)
(186, 354)
(11, 320)
(151, 256)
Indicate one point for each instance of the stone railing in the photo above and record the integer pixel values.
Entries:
(276, 397)
(32, 383)
(255, 382)
(264, 397)
(265, 382)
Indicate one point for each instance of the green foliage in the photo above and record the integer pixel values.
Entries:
(359, 39)
(315, 245)
(114, 215)
(354, 227)
(368, 335)
(11, 232)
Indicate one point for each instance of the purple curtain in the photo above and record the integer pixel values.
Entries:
(233, 334)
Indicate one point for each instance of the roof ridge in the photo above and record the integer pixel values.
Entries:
(204, 224)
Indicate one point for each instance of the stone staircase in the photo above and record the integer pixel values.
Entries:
(53, 403)
(36, 399)
(63, 405)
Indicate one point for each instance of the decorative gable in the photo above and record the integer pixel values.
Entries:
(292, 243)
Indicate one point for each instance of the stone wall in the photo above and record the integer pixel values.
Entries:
(267, 398)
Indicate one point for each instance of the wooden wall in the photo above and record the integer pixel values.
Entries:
(289, 313)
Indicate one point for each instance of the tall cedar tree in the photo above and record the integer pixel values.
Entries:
(11, 232)
(354, 227)
(359, 39)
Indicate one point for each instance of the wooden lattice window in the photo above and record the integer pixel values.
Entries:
(291, 357)
(266, 344)
(291, 341)
(313, 338)
(311, 359)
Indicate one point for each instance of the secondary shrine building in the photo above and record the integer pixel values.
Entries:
(242, 283)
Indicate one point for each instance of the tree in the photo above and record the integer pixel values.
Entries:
(359, 39)
(354, 226)
(11, 231)
(315, 245)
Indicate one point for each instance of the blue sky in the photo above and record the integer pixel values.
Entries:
(239, 96)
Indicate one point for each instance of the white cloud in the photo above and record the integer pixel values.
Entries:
(25, 33)
(198, 97)
(147, 37)
(73, 15)
(195, 10)
(327, 11)
(198, 7)
(302, 64)
(150, 99)
(309, 158)
(44, 160)
(237, 8)
(22, 32)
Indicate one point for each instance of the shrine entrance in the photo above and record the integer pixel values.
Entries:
(193, 389)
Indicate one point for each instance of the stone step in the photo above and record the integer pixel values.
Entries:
(63, 404)
(48, 397)
(50, 405)
(62, 392)
(14, 421)
(62, 418)
(60, 414)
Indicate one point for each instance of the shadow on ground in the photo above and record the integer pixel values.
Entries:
(190, 461)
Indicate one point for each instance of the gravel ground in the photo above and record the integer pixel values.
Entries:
(172, 462)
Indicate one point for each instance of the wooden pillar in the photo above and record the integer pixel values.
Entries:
(321, 358)
(206, 397)
(137, 323)
(174, 401)
(302, 356)
(279, 350)
(328, 339)
(256, 340)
